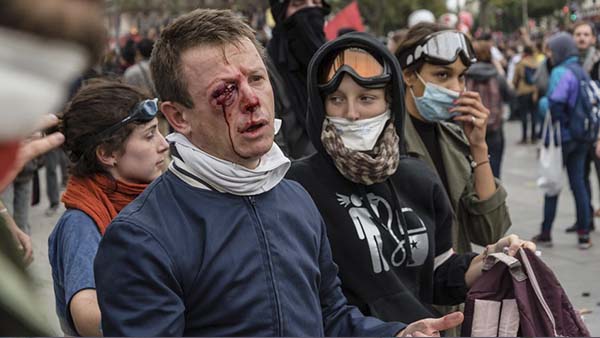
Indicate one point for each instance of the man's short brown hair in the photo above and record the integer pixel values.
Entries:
(201, 27)
(584, 23)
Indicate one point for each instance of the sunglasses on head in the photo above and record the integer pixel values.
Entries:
(440, 48)
(363, 67)
(142, 112)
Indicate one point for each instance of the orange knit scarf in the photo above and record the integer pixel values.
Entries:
(100, 197)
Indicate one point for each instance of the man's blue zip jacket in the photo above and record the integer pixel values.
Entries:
(184, 261)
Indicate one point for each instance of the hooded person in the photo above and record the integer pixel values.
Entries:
(562, 94)
(388, 217)
(296, 38)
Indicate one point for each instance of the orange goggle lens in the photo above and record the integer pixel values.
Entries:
(361, 61)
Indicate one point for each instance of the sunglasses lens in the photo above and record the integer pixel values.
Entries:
(360, 61)
(148, 108)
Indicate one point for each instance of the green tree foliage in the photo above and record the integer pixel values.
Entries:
(507, 15)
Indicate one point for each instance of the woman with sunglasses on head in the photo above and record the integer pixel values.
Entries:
(446, 127)
(116, 150)
(388, 217)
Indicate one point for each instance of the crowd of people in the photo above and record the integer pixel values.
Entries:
(285, 188)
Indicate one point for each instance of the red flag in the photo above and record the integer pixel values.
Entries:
(349, 17)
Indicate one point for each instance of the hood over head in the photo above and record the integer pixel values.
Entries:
(395, 88)
(482, 71)
(279, 8)
(563, 47)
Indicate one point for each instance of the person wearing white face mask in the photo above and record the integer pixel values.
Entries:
(388, 217)
(434, 61)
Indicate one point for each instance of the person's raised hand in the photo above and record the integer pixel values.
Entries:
(474, 116)
(33, 147)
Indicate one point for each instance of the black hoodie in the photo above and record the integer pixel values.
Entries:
(295, 39)
(381, 274)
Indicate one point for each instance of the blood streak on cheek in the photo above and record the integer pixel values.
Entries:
(225, 95)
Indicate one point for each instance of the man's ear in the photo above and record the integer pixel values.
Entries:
(106, 158)
(175, 114)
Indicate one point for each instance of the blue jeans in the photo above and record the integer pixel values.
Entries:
(574, 154)
(17, 199)
(54, 159)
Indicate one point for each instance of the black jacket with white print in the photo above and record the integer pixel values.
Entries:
(392, 240)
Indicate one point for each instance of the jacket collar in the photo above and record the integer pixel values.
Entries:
(455, 152)
(415, 146)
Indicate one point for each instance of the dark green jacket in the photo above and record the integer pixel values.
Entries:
(475, 221)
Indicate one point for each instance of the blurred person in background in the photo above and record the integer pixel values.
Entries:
(563, 90)
(483, 78)
(17, 197)
(498, 59)
(524, 84)
(584, 34)
(139, 74)
(297, 35)
(127, 56)
(54, 160)
(394, 39)
(22, 240)
(513, 55)
(112, 139)
(44, 47)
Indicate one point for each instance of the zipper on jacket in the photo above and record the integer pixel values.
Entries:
(252, 201)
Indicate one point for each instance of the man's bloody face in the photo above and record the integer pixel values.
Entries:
(233, 111)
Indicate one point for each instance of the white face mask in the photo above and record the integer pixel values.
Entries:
(360, 135)
(35, 75)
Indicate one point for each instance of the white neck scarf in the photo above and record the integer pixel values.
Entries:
(202, 170)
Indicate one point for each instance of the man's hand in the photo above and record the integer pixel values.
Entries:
(598, 149)
(431, 327)
(24, 245)
(34, 147)
(22, 240)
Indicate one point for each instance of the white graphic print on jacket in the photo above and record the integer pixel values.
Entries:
(369, 231)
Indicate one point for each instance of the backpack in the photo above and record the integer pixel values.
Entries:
(529, 75)
(491, 97)
(519, 297)
(583, 121)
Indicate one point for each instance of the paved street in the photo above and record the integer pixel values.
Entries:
(577, 270)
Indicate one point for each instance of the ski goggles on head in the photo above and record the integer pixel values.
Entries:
(440, 48)
(143, 112)
(361, 65)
